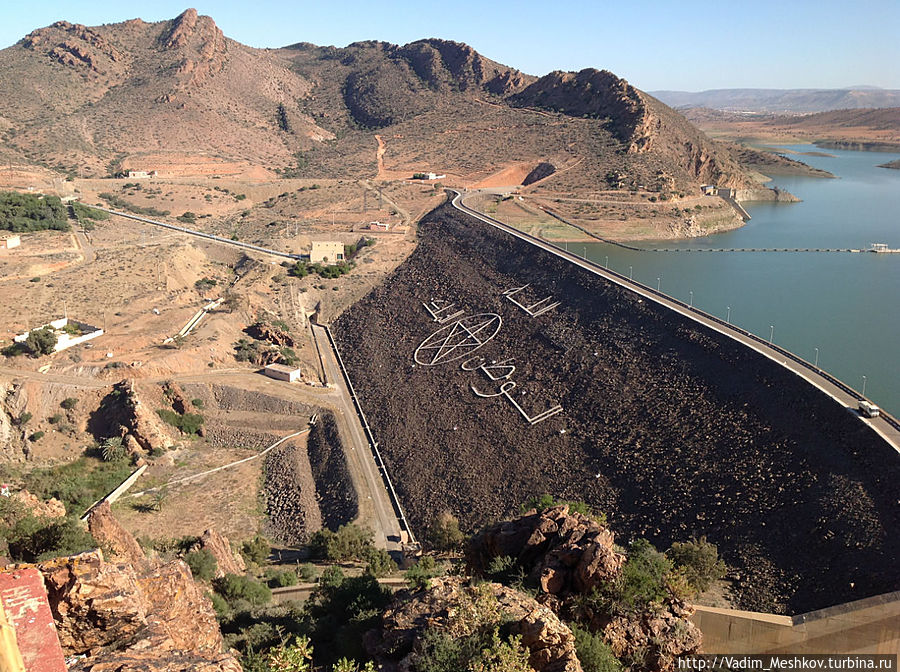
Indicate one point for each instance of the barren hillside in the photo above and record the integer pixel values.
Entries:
(125, 96)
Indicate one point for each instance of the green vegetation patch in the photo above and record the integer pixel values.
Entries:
(21, 213)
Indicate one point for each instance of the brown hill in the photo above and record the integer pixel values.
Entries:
(869, 128)
(94, 100)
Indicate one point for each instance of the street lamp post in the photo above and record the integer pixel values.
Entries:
(657, 284)
(692, 298)
(630, 269)
(584, 253)
(864, 386)
(607, 262)
(817, 359)
(771, 332)
(728, 315)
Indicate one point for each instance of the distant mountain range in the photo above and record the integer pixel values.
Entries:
(95, 100)
(782, 101)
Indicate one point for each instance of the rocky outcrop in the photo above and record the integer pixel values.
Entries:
(202, 43)
(155, 618)
(271, 334)
(52, 508)
(458, 608)
(74, 45)
(227, 561)
(564, 552)
(446, 64)
(569, 555)
(594, 93)
(112, 536)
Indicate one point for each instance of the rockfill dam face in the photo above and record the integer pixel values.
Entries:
(492, 371)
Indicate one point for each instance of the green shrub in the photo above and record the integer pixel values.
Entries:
(256, 550)
(418, 577)
(37, 436)
(31, 539)
(308, 572)
(281, 578)
(379, 562)
(24, 418)
(444, 534)
(77, 484)
(69, 403)
(41, 341)
(197, 403)
(350, 542)
(644, 576)
(593, 652)
(699, 561)
(239, 590)
(55, 418)
(547, 501)
(203, 564)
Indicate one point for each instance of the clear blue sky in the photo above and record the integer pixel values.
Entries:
(680, 44)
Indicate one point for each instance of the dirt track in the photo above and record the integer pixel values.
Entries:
(672, 430)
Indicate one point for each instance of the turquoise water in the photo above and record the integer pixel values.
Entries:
(846, 305)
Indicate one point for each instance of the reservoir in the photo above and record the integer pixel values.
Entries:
(845, 305)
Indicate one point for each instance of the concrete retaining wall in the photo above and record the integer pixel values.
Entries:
(869, 626)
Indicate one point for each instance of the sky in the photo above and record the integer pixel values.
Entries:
(684, 45)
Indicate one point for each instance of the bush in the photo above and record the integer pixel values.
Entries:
(189, 423)
(31, 539)
(239, 591)
(41, 341)
(444, 533)
(350, 542)
(308, 573)
(281, 578)
(24, 419)
(69, 403)
(699, 561)
(644, 576)
(54, 419)
(76, 484)
(379, 562)
(113, 449)
(37, 436)
(593, 652)
(418, 577)
(203, 564)
(256, 550)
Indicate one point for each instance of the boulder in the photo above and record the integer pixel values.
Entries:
(111, 535)
(227, 561)
(121, 617)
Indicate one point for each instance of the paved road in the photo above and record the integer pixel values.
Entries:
(373, 497)
(886, 426)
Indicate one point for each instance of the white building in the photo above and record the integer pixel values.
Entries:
(326, 251)
(77, 332)
(10, 241)
(283, 372)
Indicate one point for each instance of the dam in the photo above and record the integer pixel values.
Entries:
(671, 428)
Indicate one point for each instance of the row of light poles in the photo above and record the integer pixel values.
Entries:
(727, 309)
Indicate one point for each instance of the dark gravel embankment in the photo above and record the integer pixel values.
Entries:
(337, 496)
(670, 428)
(290, 496)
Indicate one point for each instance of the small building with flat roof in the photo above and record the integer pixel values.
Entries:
(10, 241)
(326, 251)
(283, 372)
